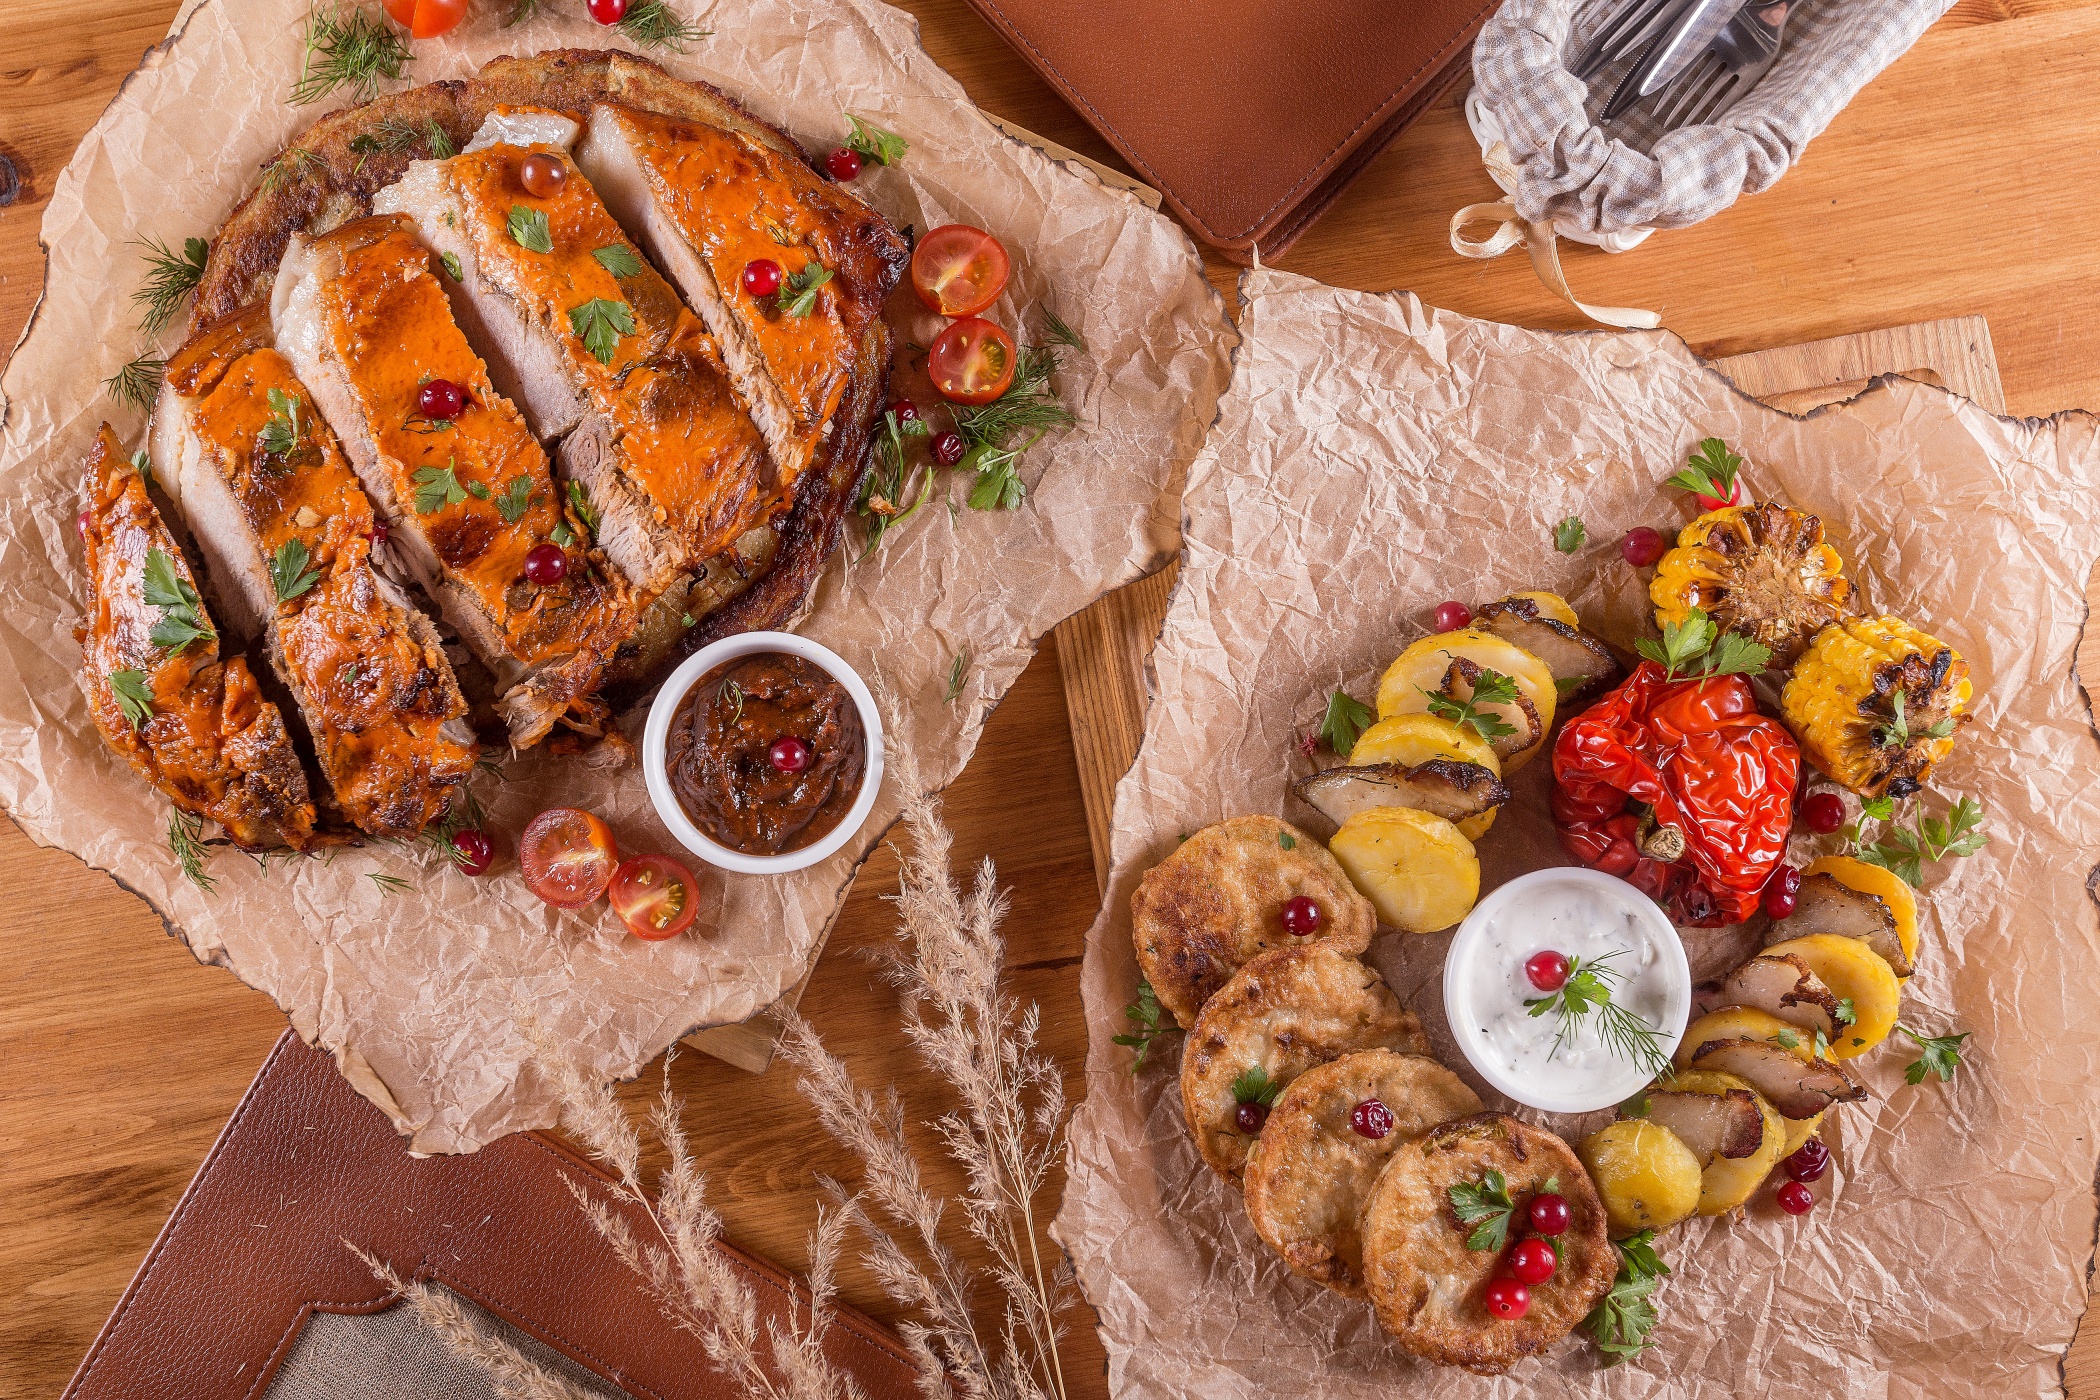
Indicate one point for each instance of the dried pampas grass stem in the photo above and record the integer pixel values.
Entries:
(515, 1375)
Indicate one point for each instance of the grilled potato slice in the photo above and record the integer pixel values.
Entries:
(1410, 740)
(1523, 734)
(1544, 625)
(1727, 1182)
(1442, 787)
(1418, 871)
(1423, 666)
(1855, 973)
(1647, 1178)
(1742, 1023)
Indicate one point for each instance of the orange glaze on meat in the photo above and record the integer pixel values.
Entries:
(393, 330)
(732, 199)
(376, 698)
(213, 744)
(678, 427)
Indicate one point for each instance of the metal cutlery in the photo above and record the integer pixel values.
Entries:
(1740, 55)
(1630, 26)
(1691, 31)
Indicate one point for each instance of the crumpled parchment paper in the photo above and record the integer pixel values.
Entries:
(1375, 456)
(415, 992)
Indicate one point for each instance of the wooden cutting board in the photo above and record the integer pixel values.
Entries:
(1103, 651)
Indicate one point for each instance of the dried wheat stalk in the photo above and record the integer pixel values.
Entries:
(515, 1375)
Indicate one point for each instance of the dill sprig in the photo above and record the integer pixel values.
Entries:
(347, 48)
(520, 11)
(293, 164)
(957, 674)
(137, 382)
(882, 495)
(654, 25)
(170, 278)
(186, 840)
(1587, 993)
(1029, 405)
(464, 814)
(388, 884)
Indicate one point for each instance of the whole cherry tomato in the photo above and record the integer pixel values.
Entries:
(655, 896)
(426, 19)
(958, 270)
(567, 857)
(972, 361)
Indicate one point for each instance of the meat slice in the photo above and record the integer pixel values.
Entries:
(1711, 1125)
(598, 350)
(1823, 905)
(262, 482)
(195, 726)
(706, 199)
(1798, 1088)
(360, 315)
(1441, 786)
(1784, 987)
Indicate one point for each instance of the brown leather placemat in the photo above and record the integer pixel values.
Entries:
(1252, 122)
(254, 1249)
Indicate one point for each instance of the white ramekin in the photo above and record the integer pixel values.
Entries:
(664, 709)
(1465, 947)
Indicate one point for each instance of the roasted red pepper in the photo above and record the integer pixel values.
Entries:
(1704, 760)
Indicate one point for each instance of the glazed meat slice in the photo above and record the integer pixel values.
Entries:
(360, 315)
(287, 535)
(706, 199)
(194, 725)
(598, 348)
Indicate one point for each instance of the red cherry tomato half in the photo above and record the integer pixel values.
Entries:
(958, 270)
(972, 361)
(426, 19)
(567, 857)
(654, 896)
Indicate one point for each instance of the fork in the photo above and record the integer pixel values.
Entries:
(1631, 25)
(1739, 57)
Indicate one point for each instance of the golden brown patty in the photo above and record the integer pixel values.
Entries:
(1201, 913)
(1311, 1169)
(1427, 1286)
(1279, 1016)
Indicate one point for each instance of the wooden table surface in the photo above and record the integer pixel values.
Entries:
(1956, 184)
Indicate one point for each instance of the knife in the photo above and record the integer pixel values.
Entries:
(1696, 26)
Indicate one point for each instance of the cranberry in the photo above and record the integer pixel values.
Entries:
(1810, 1160)
(1619, 857)
(842, 164)
(1643, 546)
(1549, 1213)
(1452, 616)
(948, 449)
(86, 518)
(1823, 812)
(607, 11)
(440, 398)
(543, 175)
(906, 411)
(1532, 1261)
(1780, 891)
(1796, 1199)
(475, 850)
(1249, 1117)
(545, 564)
(1301, 916)
(1371, 1119)
(1507, 1298)
(761, 277)
(1547, 970)
(788, 754)
(379, 532)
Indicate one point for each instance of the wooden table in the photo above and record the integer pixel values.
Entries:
(1956, 184)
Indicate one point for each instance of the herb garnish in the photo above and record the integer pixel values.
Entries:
(1569, 534)
(654, 25)
(170, 278)
(289, 574)
(528, 229)
(515, 499)
(388, 884)
(1029, 405)
(353, 50)
(280, 436)
(1709, 471)
(1587, 992)
(1623, 1318)
(186, 840)
(396, 134)
(1907, 848)
(1345, 721)
(437, 487)
(1941, 1055)
(798, 294)
(618, 259)
(601, 323)
(867, 139)
(1695, 647)
(1897, 732)
(1144, 1013)
(134, 695)
(1489, 688)
(292, 163)
(956, 675)
(181, 611)
(882, 495)
(732, 694)
(450, 262)
(135, 384)
(1486, 1206)
(585, 511)
(1286, 840)
(1253, 1085)
(143, 465)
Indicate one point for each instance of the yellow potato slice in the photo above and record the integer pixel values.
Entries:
(1418, 870)
(1798, 1131)
(1742, 1023)
(1851, 970)
(1422, 666)
(1552, 605)
(1412, 739)
(1901, 899)
(1728, 1182)
(1646, 1177)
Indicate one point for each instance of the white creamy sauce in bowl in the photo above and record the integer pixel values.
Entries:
(1585, 916)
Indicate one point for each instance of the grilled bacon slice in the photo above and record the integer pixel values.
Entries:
(360, 315)
(367, 669)
(207, 737)
(650, 427)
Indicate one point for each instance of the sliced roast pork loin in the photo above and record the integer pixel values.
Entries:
(599, 349)
(362, 318)
(194, 725)
(708, 197)
(286, 532)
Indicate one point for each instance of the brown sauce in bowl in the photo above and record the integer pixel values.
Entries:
(720, 753)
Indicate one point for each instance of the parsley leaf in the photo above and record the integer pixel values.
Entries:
(1486, 1206)
(514, 500)
(618, 259)
(437, 487)
(280, 436)
(289, 573)
(1489, 688)
(798, 294)
(528, 229)
(1897, 732)
(1788, 1040)
(1569, 534)
(1254, 1086)
(1709, 471)
(1905, 850)
(1346, 719)
(601, 323)
(1286, 840)
(1695, 647)
(1623, 1318)
(450, 262)
(1845, 1014)
(882, 147)
(1144, 1014)
(585, 511)
(1941, 1055)
(181, 611)
(134, 695)
(999, 485)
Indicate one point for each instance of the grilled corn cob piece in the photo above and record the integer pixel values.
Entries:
(1763, 571)
(1875, 704)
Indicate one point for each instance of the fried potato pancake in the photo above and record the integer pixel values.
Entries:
(1427, 1286)
(1311, 1169)
(1279, 1016)
(1201, 913)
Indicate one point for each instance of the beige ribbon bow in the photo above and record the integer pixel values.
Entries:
(1540, 240)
